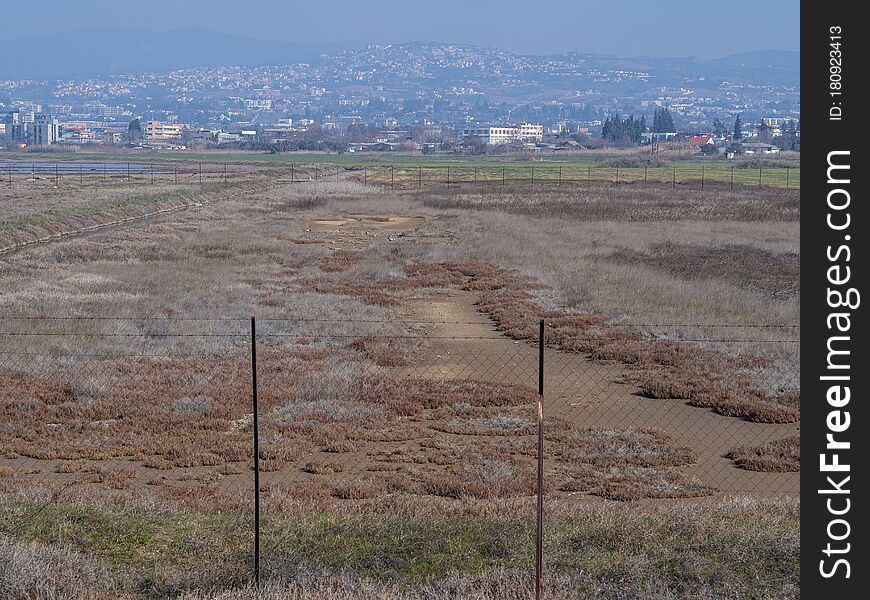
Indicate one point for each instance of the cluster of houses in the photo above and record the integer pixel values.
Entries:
(758, 140)
(31, 127)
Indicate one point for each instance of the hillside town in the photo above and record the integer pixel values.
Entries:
(413, 97)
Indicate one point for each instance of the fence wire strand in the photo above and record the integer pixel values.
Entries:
(348, 417)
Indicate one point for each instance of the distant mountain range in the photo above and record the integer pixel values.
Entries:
(776, 59)
(103, 52)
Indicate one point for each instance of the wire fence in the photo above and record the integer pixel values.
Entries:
(84, 174)
(715, 176)
(255, 417)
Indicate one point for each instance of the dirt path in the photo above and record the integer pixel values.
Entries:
(593, 394)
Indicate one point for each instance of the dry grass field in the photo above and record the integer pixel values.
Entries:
(398, 382)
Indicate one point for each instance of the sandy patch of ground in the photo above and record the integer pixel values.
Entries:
(594, 395)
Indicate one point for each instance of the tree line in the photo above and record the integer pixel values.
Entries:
(628, 131)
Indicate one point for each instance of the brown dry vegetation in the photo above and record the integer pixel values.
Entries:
(246, 255)
(661, 369)
(154, 414)
(324, 411)
(778, 456)
(774, 274)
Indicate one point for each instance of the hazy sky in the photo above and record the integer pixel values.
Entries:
(620, 27)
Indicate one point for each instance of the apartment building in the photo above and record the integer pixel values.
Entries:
(530, 133)
(494, 135)
(18, 124)
(46, 130)
(155, 131)
(32, 128)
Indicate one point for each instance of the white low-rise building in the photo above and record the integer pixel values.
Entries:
(493, 135)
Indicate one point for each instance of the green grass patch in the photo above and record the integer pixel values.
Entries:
(744, 553)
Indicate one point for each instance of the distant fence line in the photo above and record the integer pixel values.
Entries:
(109, 172)
(694, 176)
(399, 177)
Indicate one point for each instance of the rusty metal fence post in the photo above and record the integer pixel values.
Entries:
(539, 524)
(256, 452)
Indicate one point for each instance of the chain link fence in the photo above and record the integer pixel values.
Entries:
(168, 412)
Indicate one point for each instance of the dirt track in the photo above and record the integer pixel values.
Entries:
(593, 394)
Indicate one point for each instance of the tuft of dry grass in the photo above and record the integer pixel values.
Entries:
(50, 572)
(779, 456)
(384, 352)
(338, 261)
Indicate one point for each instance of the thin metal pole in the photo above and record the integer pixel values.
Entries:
(365, 175)
(151, 166)
(128, 172)
(420, 177)
(81, 175)
(448, 176)
(200, 173)
(256, 452)
(732, 177)
(588, 173)
(702, 177)
(225, 172)
(674, 180)
(292, 173)
(502, 175)
(533, 174)
(786, 176)
(56, 175)
(617, 175)
(175, 171)
(560, 173)
(392, 178)
(539, 525)
(316, 174)
(644, 174)
(759, 176)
